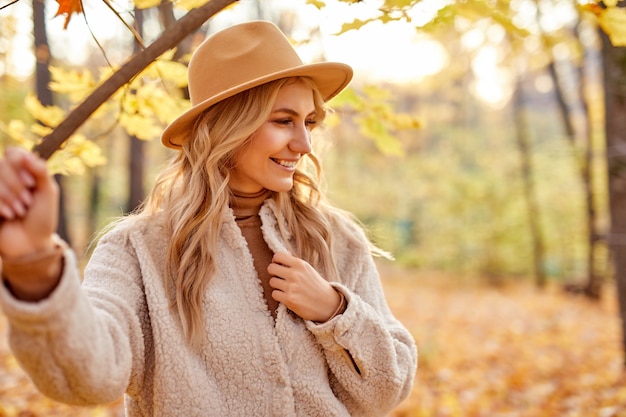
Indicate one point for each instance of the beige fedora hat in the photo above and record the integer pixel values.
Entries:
(239, 58)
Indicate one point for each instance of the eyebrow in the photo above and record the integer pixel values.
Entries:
(292, 112)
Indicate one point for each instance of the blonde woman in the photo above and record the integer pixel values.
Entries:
(236, 290)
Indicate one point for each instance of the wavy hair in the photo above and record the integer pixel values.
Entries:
(193, 194)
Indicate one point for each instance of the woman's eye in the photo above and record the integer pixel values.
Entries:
(288, 121)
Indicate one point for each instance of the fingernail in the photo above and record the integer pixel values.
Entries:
(6, 213)
(28, 179)
(27, 198)
(19, 208)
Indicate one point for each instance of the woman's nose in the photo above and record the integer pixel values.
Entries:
(301, 141)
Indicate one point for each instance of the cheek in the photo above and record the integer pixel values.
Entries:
(269, 140)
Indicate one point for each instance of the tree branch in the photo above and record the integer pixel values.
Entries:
(169, 39)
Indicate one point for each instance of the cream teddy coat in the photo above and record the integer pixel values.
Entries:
(117, 334)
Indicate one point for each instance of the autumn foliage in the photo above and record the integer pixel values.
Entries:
(67, 8)
(484, 352)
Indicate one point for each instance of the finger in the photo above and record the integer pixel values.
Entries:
(279, 296)
(6, 212)
(37, 168)
(36, 172)
(22, 174)
(14, 196)
(278, 284)
(278, 270)
(26, 178)
(17, 177)
(18, 158)
(283, 258)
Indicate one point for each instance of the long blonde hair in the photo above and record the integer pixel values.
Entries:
(193, 193)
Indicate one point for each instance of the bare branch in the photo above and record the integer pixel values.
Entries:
(169, 39)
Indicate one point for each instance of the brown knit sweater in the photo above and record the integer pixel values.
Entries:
(246, 209)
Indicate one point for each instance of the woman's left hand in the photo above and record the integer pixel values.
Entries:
(301, 288)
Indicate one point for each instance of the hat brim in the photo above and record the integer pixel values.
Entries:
(330, 78)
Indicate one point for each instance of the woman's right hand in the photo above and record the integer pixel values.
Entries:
(29, 204)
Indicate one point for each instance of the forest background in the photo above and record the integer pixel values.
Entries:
(472, 144)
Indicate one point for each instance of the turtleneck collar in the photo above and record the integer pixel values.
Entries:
(248, 204)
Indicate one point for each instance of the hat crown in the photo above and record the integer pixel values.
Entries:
(236, 55)
(241, 57)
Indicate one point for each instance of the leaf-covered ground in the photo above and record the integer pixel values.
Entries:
(489, 352)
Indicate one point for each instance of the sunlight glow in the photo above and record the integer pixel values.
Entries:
(543, 83)
(393, 52)
(390, 52)
(20, 60)
(492, 83)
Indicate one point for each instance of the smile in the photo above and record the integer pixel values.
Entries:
(286, 164)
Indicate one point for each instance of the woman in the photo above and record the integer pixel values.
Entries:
(236, 290)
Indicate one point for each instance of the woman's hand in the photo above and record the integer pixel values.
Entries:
(29, 200)
(301, 288)
(29, 206)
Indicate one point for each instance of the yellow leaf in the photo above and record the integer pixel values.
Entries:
(613, 22)
(398, 4)
(40, 130)
(356, 24)
(376, 93)
(76, 84)
(18, 133)
(48, 115)
(347, 97)
(193, 4)
(389, 146)
(167, 70)
(75, 156)
(373, 128)
(317, 3)
(610, 3)
(140, 126)
(146, 4)
(161, 104)
(404, 121)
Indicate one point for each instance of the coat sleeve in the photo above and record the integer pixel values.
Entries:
(371, 355)
(78, 344)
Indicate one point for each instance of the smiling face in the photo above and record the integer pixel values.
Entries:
(269, 159)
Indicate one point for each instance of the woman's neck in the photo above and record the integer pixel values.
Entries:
(248, 204)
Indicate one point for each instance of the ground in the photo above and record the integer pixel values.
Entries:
(484, 351)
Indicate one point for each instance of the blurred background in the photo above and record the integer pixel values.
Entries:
(474, 143)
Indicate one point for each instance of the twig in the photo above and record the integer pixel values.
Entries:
(8, 4)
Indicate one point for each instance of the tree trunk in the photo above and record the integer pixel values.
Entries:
(44, 94)
(593, 288)
(136, 154)
(532, 207)
(615, 125)
(582, 151)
